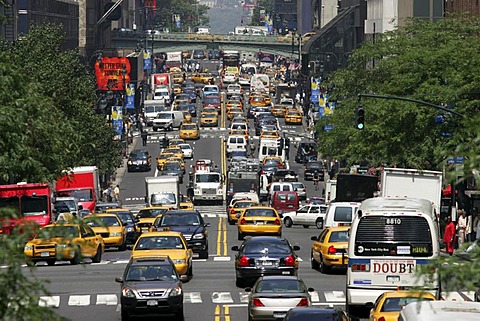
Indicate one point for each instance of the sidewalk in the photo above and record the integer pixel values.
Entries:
(120, 172)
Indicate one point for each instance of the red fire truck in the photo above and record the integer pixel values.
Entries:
(31, 201)
(81, 183)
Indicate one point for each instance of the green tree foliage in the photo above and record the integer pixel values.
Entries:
(257, 19)
(434, 62)
(192, 14)
(49, 120)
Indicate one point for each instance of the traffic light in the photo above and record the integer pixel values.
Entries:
(280, 143)
(360, 117)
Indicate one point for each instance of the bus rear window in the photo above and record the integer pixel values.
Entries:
(343, 214)
(393, 236)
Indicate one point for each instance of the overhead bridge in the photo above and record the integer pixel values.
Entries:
(168, 42)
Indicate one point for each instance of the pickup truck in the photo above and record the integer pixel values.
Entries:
(307, 215)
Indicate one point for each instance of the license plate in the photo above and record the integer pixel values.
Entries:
(267, 263)
(152, 303)
(259, 222)
(393, 278)
(144, 229)
(279, 315)
(45, 254)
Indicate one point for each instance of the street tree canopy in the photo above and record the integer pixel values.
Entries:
(191, 14)
(436, 62)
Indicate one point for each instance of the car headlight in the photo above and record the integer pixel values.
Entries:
(130, 229)
(28, 248)
(62, 246)
(179, 261)
(126, 292)
(176, 291)
(199, 236)
(115, 234)
(129, 162)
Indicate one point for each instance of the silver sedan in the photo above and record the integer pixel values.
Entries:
(272, 296)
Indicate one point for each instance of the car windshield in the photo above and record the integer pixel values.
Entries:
(280, 286)
(171, 167)
(65, 205)
(151, 273)
(189, 127)
(265, 212)
(103, 221)
(150, 213)
(210, 100)
(58, 231)
(269, 246)
(159, 243)
(180, 220)
(397, 304)
(297, 185)
(138, 155)
(314, 165)
(125, 217)
(164, 116)
(207, 178)
(243, 204)
(338, 236)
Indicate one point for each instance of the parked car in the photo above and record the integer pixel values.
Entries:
(264, 255)
(272, 296)
(144, 285)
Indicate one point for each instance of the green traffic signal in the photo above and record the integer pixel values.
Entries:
(360, 118)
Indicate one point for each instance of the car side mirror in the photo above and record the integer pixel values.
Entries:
(314, 238)
(184, 278)
(119, 279)
(369, 305)
(281, 215)
(136, 220)
(248, 289)
(206, 225)
(296, 248)
(80, 207)
(235, 248)
(310, 289)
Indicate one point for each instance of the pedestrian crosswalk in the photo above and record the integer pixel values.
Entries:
(327, 298)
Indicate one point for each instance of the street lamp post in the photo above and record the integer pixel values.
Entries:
(124, 102)
(153, 60)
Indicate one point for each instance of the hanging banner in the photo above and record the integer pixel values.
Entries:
(152, 4)
(130, 104)
(147, 60)
(117, 120)
(110, 73)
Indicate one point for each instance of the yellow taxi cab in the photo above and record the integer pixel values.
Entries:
(256, 93)
(388, 305)
(146, 216)
(209, 119)
(174, 70)
(267, 98)
(272, 159)
(189, 131)
(202, 78)
(178, 160)
(185, 203)
(110, 227)
(209, 109)
(269, 134)
(330, 249)
(187, 117)
(293, 116)
(238, 208)
(166, 243)
(162, 159)
(258, 101)
(64, 242)
(234, 111)
(177, 89)
(175, 141)
(239, 132)
(175, 150)
(177, 78)
(259, 220)
(279, 110)
(232, 104)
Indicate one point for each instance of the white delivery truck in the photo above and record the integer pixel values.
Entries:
(271, 147)
(330, 190)
(406, 182)
(162, 191)
(206, 186)
(151, 108)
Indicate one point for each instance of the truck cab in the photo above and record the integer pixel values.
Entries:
(206, 185)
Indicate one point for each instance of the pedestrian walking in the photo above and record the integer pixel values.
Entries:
(197, 67)
(107, 194)
(449, 236)
(461, 227)
(116, 193)
(144, 137)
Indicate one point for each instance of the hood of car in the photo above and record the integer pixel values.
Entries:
(187, 229)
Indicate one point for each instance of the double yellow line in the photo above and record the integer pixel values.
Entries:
(222, 233)
(219, 314)
(222, 222)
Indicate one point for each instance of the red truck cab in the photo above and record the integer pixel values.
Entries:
(81, 183)
(31, 201)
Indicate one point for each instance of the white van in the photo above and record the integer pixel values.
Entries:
(236, 142)
(168, 120)
(151, 108)
(278, 187)
(440, 310)
(162, 94)
(340, 213)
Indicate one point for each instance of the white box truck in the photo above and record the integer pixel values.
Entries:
(162, 191)
(330, 190)
(412, 183)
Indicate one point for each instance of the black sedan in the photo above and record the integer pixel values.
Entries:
(139, 160)
(264, 255)
(315, 313)
(172, 169)
(311, 168)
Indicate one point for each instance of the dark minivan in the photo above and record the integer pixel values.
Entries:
(285, 201)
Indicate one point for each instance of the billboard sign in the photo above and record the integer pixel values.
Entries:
(109, 73)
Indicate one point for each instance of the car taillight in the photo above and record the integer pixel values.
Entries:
(232, 211)
(303, 303)
(290, 261)
(381, 319)
(243, 261)
(243, 221)
(257, 303)
(331, 250)
(277, 222)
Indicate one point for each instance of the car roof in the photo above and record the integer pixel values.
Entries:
(182, 212)
(151, 260)
(280, 277)
(160, 233)
(337, 228)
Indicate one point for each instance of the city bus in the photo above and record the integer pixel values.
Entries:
(31, 201)
(389, 239)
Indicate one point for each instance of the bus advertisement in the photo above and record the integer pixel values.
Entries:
(32, 202)
(390, 239)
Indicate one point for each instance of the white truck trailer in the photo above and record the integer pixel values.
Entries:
(412, 183)
(162, 191)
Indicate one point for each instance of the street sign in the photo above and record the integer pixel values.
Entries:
(328, 128)
(458, 160)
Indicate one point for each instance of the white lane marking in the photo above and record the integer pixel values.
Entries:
(121, 262)
(222, 258)
(222, 297)
(237, 305)
(101, 263)
(300, 259)
(192, 297)
(79, 300)
(315, 297)
(334, 296)
(107, 299)
(49, 301)
(243, 297)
